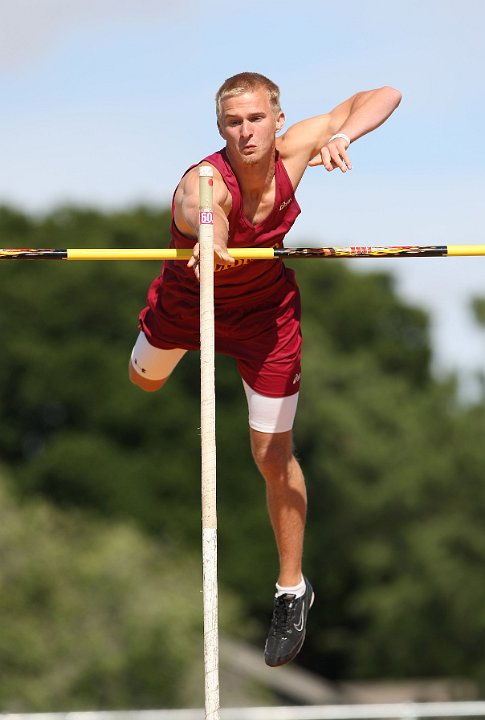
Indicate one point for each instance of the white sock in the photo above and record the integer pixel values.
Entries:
(296, 590)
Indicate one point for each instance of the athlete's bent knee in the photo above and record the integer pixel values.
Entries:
(142, 382)
(150, 367)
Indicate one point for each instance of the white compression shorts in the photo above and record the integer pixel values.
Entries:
(266, 414)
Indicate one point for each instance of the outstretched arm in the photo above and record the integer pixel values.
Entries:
(186, 216)
(354, 118)
(312, 142)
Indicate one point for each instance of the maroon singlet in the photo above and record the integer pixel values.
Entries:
(256, 302)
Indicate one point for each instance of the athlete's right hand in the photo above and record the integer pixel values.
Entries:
(221, 257)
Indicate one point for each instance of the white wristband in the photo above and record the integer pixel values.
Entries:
(343, 136)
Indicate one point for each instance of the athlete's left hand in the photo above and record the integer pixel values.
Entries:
(333, 155)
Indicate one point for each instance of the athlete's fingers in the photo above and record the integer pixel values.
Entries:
(338, 153)
(342, 161)
(194, 261)
(347, 159)
(323, 158)
(222, 256)
(315, 161)
(337, 159)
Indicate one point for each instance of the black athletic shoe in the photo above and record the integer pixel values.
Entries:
(288, 627)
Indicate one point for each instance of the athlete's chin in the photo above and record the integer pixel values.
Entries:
(246, 156)
(250, 156)
(249, 159)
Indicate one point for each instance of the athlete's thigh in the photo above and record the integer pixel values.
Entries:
(270, 414)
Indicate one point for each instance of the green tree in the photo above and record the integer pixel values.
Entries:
(478, 308)
(393, 459)
(95, 615)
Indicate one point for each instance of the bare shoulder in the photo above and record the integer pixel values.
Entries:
(304, 136)
(188, 188)
(301, 142)
(186, 199)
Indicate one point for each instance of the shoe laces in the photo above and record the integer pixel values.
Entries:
(283, 612)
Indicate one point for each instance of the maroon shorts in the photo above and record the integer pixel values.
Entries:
(261, 332)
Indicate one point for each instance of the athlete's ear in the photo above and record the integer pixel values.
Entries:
(220, 130)
(280, 121)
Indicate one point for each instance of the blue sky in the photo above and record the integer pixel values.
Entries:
(107, 102)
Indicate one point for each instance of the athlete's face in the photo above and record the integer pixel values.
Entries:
(248, 125)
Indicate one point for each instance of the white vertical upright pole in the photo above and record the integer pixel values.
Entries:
(208, 444)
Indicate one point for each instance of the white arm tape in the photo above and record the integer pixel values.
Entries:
(341, 135)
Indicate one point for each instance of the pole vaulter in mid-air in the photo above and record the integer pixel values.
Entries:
(256, 304)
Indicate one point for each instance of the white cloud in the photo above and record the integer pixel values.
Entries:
(30, 28)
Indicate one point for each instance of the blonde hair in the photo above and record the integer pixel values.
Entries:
(247, 82)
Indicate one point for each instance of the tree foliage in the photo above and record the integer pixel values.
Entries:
(478, 308)
(94, 615)
(393, 460)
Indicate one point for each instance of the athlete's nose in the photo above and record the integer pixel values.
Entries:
(246, 128)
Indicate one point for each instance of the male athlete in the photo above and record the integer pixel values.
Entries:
(257, 306)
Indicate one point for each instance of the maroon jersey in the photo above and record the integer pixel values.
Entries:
(256, 302)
